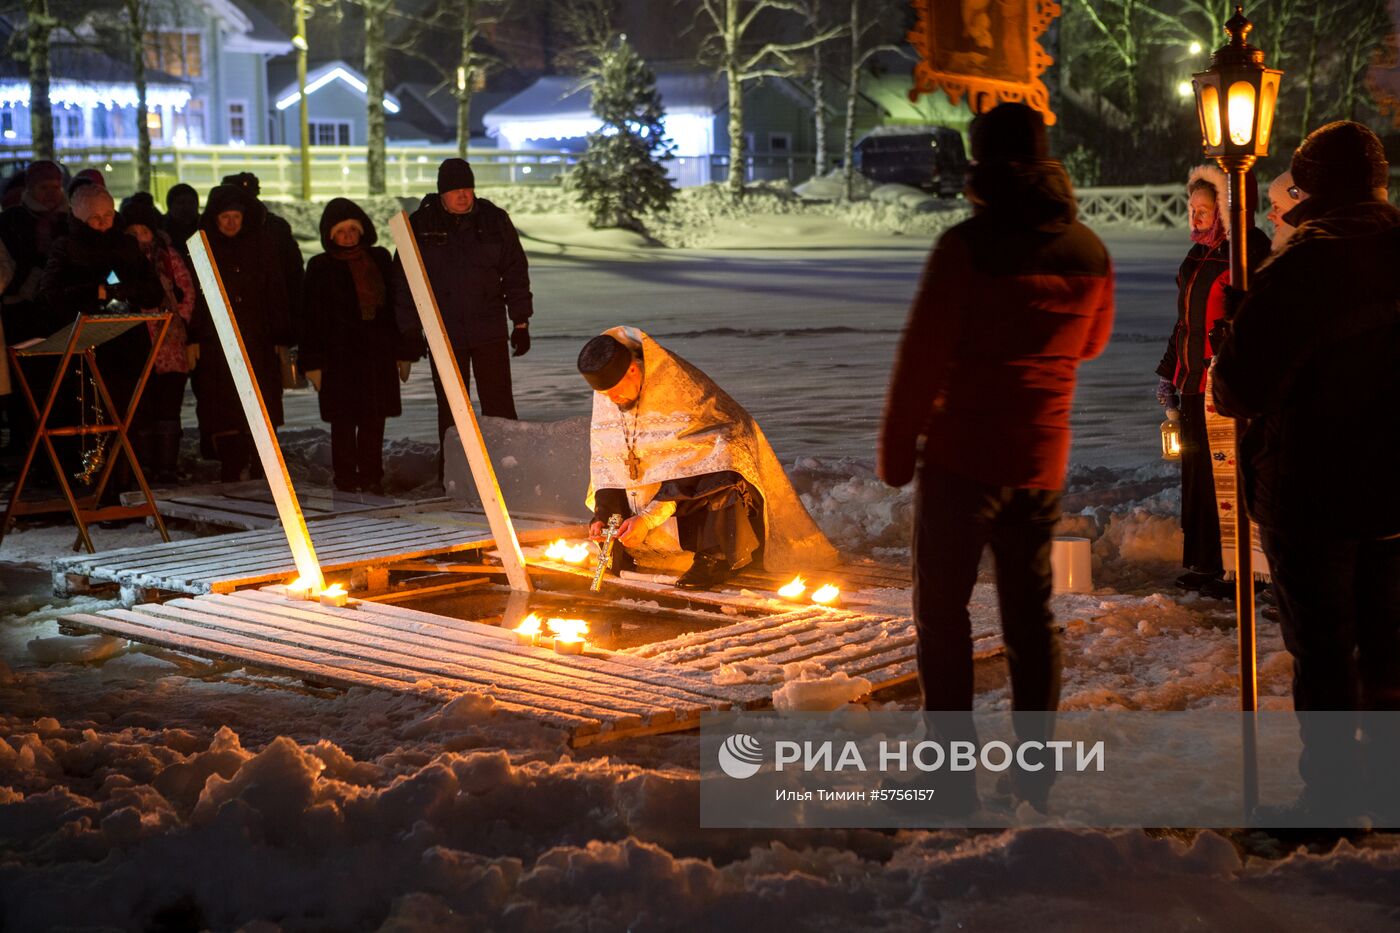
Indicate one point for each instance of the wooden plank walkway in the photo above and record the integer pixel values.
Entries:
(223, 563)
(248, 506)
(595, 697)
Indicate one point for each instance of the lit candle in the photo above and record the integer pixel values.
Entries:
(794, 589)
(568, 635)
(528, 630)
(335, 596)
(826, 595)
(299, 589)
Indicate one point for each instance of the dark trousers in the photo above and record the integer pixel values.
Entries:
(1339, 610)
(357, 453)
(955, 518)
(1200, 522)
(491, 364)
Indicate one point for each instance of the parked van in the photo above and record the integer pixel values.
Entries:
(927, 157)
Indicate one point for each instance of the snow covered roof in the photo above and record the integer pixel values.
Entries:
(251, 29)
(562, 98)
(324, 74)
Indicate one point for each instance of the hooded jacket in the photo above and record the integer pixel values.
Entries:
(355, 354)
(1311, 359)
(252, 279)
(1010, 302)
(477, 269)
(1200, 298)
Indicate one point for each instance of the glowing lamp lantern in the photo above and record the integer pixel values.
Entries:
(568, 635)
(1171, 435)
(793, 589)
(528, 629)
(1235, 99)
(826, 595)
(335, 596)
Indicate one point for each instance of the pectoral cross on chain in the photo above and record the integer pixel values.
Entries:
(634, 464)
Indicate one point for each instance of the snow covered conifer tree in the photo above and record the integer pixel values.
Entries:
(622, 176)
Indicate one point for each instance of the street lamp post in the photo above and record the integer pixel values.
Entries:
(1235, 101)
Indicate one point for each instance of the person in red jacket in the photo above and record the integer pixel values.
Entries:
(1012, 300)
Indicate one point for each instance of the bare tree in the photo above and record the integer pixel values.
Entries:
(818, 22)
(869, 23)
(742, 61)
(38, 31)
(376, 12)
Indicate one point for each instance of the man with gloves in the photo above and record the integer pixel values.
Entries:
(481, 280)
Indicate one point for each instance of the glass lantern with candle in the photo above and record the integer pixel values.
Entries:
(1171, 435)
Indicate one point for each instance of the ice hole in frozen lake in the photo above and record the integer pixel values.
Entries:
(615, 621)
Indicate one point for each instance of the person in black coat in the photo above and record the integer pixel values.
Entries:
(97, 268)
(350, 347)
(257, 293)
(481, 279)
(286, 251)
(181, 216)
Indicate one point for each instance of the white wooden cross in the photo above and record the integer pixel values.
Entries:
(468, 431)
(259, 424)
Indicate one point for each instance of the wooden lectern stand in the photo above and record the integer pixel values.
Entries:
(81, 340)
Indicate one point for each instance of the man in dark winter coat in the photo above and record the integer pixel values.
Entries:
(1011, 301)
(181, 216)
(481, 279)
(350, 345)
(28, 232)
(246, 259)
(1311, 359)
(1182, 371)
(285, 249)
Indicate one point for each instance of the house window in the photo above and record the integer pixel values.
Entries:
(68, 124)
(155, 124)
(330, 132)
(238, 121)
(7, 124)
(176, 53)
(780, 142)
(187, 124)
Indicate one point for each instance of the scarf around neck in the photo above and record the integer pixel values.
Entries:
(369, 284)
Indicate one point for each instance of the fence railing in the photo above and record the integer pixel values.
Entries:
(1144, 206)
(335, 170)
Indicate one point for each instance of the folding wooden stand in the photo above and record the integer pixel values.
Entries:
(81, 339)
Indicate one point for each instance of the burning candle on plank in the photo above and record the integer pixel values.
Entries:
(562, 550)
(300, 589)
(568, 635)
(528, 630)
(793, 589)
(335, 596)
(826, 595)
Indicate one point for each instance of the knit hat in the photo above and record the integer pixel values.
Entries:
(42, 171)
(91, 175)
(178, 191)
(87, 199)
(454, 174)
(1341, 159)
(140, 209)
(1010, 133)
(245, 180)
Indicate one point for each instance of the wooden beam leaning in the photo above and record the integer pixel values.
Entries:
(259, 424)
(483, 474)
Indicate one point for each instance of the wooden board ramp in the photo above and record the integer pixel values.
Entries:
(248, 505)
(224, 563)
(596, 697)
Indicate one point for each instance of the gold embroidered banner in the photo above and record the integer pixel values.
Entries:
(985, 50)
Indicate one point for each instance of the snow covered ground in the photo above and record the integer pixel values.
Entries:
(141, 789)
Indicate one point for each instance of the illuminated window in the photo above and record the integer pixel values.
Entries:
(176, 53)
(187, 124)
(330, 132)
(67, 124)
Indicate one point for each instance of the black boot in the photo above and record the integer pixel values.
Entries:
(233, 451)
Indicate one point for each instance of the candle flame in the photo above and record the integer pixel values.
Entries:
(568, 629)
(568, 553)
(826, 595)
(335, 589)
(530, 625)
(794, 589)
